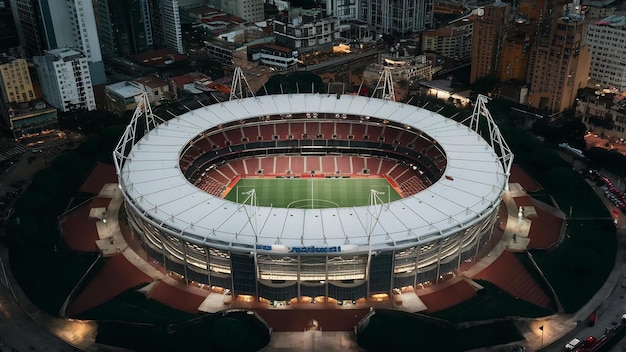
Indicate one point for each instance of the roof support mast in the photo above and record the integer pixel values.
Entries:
(495, 139)
(384, 87)
(240, 88)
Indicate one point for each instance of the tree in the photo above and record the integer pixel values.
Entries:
(293, 83)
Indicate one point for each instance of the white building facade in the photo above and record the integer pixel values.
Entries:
(65, 79)
(72, 24)
(172, 33)
(249, 10)
(607, 41)
(305, 33)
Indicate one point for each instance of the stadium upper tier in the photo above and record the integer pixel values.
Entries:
(156, 173)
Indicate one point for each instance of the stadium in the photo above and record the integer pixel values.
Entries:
(346, 198)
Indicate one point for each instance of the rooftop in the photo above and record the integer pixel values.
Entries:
(151, 81)
(473, 184)
(180, 81)
(158, 58)
(614, 21)
(125, 88)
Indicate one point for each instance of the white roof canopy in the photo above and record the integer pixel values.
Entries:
(153, 183)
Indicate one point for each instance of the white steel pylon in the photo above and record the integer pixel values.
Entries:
(250, 203)
(240, 88)
(375, 208)
(495, 139)
(384, 87)
(131, 134)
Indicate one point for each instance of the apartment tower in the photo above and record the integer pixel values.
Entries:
(488, 39)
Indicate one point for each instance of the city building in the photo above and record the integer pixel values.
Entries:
(155, 88)
(72, 24)
(166, 24)
(406, 69)
(607, 40)
(531, 11)
(399, 17)
(17, 86)
(65, 81)
(192, 83)
(52, 24)
(122, 97)
(33, 117)
(8, 33)
(222, 51)
(603, 113)
(22, 111)
(190, 4)
(344, 10)
(559, 62)
(276, 56)
(249, 10)
(515, 55)
(304, 32)
(453, 41)
(124, 27)
(30, 28)
(488, 39)
(597, 10)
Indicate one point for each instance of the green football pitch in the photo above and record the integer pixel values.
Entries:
(312, 193)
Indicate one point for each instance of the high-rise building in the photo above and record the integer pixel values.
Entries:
(65, 80)
(304, 33)
(51, 24)
(190, 4)
(402, 17)
(8, 33)
(516, 53)
(606, 40)
(249, 10)
(30, 27)
(531, 10)
(344, 9)
(166, 28)
(559, 62)
(23, 112)
(17, 86)
(124, 27)
(488, 39)
(453, 41)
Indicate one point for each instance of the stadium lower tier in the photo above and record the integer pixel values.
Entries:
(324, 277)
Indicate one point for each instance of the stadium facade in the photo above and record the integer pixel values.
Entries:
(173, 174)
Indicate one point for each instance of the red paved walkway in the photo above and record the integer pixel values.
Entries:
(545, 229)
(518, 175)
(510, 275)
(329, 319)
(448, 297)
(178, 295)
(117, 276)
(99, 176)
(78, 230)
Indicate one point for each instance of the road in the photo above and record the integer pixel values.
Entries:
(610, 300)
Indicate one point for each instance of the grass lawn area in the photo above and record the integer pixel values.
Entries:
(312, 192)
(587, 254)
(581, 265)
(490, 303)
(399, 331)
(48, 274)
(132, 306)
(237, 331)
